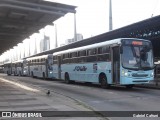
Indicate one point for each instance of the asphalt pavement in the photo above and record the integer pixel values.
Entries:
(16, 96)
(155, 84)
(19, 101)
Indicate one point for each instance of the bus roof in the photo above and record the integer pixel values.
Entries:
(18, 61)
(114, 41)
(39, 57)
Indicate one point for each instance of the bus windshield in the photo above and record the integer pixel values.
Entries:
(50, 63)
(138, 57)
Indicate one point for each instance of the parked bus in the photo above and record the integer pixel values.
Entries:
(40, 66)
(1, 67)
(124, 61)
(8, 68)
(19, 68)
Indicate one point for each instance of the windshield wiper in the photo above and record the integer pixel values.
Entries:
(146, 68)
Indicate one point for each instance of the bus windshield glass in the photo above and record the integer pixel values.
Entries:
(50, 62)
(137, 55)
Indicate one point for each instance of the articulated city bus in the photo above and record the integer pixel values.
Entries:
(124, 61)
(19, 68)
(40, 66)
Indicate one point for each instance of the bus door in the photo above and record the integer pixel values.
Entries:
(59, 67)
(47, 67)
(115, 60)
(9, 70)
(28, 65)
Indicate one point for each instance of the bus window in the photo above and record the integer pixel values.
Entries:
(92, 55)
(105, 49)
(92, 51)
(103, 54)
(100, 50)
(54, 59)
(82, 57)
(74, 54)
(82, 53)
(67, 55)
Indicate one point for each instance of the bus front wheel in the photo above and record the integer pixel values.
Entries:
(103, 81)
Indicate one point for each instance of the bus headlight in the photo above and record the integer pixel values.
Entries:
(50, 72)
(152, 74)
(124, 73)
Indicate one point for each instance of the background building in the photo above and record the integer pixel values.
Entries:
(79, 37)
(45, 43)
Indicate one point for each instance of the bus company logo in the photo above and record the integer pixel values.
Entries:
(95, 67)
(80, 68)
(6, 114)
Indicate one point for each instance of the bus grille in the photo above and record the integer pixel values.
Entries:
(139, 75)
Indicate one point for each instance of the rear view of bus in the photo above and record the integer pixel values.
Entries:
(137, 65)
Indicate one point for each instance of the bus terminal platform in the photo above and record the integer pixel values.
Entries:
(18, 97)
(155, 84)
(23, 98)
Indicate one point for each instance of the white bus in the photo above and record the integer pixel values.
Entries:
(40, 66)
(8, 68)
(123, 61)
(19, 68)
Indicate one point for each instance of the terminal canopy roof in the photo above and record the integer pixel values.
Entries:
(147, 29)
(21, 18)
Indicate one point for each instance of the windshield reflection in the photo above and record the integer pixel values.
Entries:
(137, 57)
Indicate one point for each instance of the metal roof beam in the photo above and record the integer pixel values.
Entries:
(13, 34)
(32, 9)
(40, 6)
(15, 31)
(22, 22)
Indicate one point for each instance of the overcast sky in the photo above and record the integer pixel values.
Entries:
(93, 16)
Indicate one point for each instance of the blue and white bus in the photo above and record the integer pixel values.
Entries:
(40, 66)
(19, 67)
(8, 68)
(124, 61)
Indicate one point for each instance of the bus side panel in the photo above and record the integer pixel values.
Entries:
(55, 71)
(77, 72)
(88, 72)
(105, 67)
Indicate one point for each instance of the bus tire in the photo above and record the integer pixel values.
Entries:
(44, 77)
(129, 86)
(67, 80)
(103, 81)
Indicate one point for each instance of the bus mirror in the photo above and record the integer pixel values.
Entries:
(121, 50)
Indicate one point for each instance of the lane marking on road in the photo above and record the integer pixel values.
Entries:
(19, 85)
